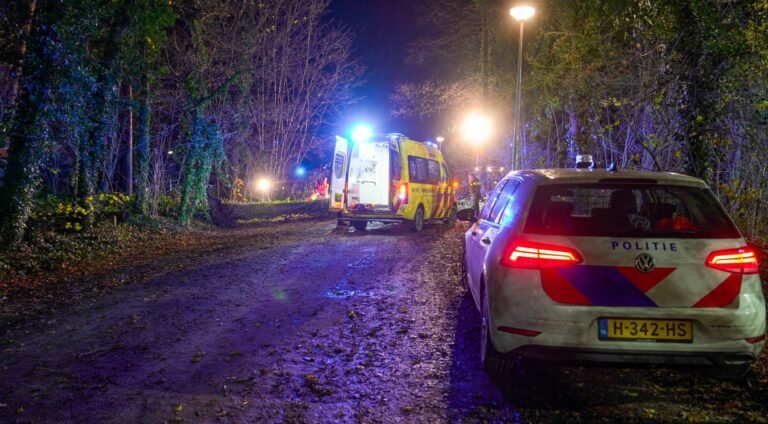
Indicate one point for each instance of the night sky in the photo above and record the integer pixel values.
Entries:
(383, 29)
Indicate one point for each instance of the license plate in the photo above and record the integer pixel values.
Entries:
(652, 330)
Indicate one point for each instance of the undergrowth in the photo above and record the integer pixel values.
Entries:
(46, 250)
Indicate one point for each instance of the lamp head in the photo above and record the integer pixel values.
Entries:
(476, 128)
(522, 13)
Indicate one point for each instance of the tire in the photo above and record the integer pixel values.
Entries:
(451, 219)
(464, 278)
(360, 225)
(495, 363)
(418, 219)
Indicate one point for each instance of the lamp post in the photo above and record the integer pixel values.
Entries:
(521, 14)
(440, 139)
(476, 129)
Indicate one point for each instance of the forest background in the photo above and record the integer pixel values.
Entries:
(147, 107)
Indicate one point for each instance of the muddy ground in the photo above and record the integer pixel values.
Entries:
(307, 322)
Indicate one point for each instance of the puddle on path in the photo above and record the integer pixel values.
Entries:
(343, 290)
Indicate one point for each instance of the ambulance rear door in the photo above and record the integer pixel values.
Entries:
(339, 173)
(369, 181)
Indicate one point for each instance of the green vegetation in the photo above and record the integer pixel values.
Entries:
(164, 102)
(672, 85)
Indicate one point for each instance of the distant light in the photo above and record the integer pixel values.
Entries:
(477, 169)
(476, 128)
(522, 13)
(489, 169)
(440, 139)
(263, 185)
(170, 152)
(501, 169)
(362, 133)
(301, 171)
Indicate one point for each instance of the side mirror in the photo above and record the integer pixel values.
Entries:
(466, 215)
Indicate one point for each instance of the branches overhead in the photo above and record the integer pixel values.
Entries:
(678, 85)
(249, 85)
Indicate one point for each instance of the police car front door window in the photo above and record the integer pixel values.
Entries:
(502, 204)
(492, 198)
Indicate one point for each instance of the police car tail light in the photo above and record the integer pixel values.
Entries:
(738, 261)
(402, 193)
(539, 256)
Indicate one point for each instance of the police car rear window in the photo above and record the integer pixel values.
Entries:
(605, 210)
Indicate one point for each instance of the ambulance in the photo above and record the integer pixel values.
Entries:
(391, 178)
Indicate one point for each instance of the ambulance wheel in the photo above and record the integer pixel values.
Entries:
(418, 220)
(494, 362)
(451, 216)
(360, 225)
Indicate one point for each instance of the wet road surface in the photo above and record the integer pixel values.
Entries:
(334, 325)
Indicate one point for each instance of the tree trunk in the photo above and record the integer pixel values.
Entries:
(571, 138)
(19, 68)
(129, 145)
(142, 147)
(189, 202)
(30, 134)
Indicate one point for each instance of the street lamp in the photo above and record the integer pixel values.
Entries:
(440, 139)
(521, 14)
(264, 185)
(476, 129)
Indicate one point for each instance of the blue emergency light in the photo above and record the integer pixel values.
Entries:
(361, 133)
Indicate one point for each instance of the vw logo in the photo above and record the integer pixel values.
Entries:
(645, 263)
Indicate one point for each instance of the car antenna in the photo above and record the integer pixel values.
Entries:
(612, 167)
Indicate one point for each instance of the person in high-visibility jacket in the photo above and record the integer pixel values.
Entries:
(474, 193)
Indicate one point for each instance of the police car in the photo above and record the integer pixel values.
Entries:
(612, 266)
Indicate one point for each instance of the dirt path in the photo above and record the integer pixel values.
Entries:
(330, 326)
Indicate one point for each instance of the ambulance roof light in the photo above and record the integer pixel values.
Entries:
(361, 133)
(395, 136)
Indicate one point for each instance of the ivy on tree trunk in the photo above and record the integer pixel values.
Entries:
(30, 139)
(142, 147)
(202, 152)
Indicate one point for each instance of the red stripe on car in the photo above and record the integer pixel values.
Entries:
(645, 280)
(723, 294)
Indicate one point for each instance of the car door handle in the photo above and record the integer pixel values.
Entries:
(485, 240)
